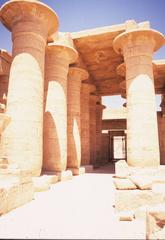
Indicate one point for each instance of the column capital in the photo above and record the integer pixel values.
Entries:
(100, 106)
(63, 46)
(74, 71)
(121, 69)
(18, 11)
(138, 37)
(91, 87)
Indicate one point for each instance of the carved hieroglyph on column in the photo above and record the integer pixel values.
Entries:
(92, 108)
(75, 76)
(137, 46)
(59, 55)
(31, 22)
(99, 114)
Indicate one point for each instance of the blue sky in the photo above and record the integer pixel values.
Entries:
(77, 15)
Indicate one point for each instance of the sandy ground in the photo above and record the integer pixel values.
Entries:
(81, 208)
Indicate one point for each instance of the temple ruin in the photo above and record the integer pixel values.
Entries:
(51, 90)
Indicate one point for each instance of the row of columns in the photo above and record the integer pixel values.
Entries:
(46, 130)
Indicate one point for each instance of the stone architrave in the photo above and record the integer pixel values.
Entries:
(92, 108)
(75, 76)
(59, 55)
(31, 22)
(137, 46)
(99, 114)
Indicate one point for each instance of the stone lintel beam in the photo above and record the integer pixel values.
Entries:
(138, 46)
(59, 55)
(75, 76)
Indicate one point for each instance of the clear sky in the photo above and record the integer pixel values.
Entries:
(77, 15)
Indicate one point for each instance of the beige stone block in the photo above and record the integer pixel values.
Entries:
(126, 216)
(52, 178)
(155, 222)
(121, 169)
(77, 171)
(64, 175)
(140, 212)
(13, 195)
(124, 184)
(142, 182)
(126, 200)
(41, 183)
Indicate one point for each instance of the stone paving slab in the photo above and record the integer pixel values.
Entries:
(81, 208)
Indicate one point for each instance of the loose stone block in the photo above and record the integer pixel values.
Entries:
(64, 175)
(124, 184)
(126, 200)
(155, 222)
(126, 216)
(121, 169)
(142, 182)
(41, 183)
(14, 194)
(77, 171)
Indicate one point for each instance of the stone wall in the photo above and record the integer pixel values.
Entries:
(121, 124)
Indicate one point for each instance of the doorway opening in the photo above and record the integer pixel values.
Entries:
(117, 145)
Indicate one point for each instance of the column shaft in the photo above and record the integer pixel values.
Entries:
(75, 76)
(23, 138)
(85, 132)
(99, 114)
(92, 128)
(142, 131)
(57, 63)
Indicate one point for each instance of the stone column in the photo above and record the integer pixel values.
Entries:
(59, 55)
(92, 108)
(75, 76)
(137, 46)
(86, 89)
(162, 105)
(99, 114)
(5, 63)
(31, 22)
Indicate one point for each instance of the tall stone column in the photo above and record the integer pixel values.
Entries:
(86, 89)
(5, 63)
(92, 108)
(75, 76)
(162, 105)
(31, 22)
(99, 114)
(137, 46)
(59, 55)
